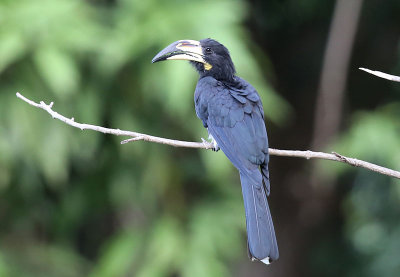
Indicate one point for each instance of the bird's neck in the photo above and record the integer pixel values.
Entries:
(225, 74)
(234, 82)
(229, 81)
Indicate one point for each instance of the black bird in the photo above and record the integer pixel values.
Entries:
(231, 110)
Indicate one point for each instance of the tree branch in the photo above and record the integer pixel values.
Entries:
(381, 74)
(206, 145)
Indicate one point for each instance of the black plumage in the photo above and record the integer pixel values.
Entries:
(231, 110)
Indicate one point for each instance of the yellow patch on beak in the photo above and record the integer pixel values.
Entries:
(207, 66)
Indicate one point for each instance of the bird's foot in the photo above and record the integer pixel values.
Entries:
(212, 141)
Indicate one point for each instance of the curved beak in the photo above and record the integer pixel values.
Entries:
(189, 50)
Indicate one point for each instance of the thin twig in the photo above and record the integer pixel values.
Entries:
(206, 145)
(381, 74)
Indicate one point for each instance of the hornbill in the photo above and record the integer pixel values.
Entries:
(231, 110)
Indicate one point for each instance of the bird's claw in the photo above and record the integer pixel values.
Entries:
(214, 144)
(215, 148)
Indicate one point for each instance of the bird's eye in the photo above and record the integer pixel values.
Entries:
(208, 50)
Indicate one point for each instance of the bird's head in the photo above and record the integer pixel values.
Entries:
(209, 57)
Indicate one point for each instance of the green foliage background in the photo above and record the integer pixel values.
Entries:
(76, 203)
(79, 203)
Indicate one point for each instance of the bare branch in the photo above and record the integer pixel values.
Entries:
(206, 145)
(336, 157)
(117, 132)
(381, 74)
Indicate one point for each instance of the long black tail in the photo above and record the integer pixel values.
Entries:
(260, 228)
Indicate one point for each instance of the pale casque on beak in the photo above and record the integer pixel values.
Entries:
(189, 50)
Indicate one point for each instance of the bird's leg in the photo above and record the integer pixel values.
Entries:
(213, 141)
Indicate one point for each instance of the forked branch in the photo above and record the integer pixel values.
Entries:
(134, 136)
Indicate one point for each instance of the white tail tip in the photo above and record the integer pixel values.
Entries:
(266, 261)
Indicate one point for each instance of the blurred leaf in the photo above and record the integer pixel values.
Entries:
(119, 255)
(11, 49)
(58, 70)
(165, 249)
